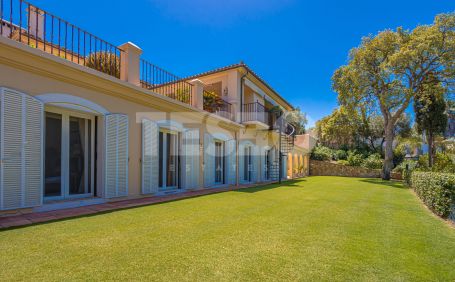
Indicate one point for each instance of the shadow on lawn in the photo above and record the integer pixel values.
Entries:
(389, 183)
(245, 190)
(288, 183)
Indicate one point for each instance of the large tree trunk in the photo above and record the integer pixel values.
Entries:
(430, 138)
(388, 153)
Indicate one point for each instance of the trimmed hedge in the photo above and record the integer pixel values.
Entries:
(437, 190)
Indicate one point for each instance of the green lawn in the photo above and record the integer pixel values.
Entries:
(325, 228)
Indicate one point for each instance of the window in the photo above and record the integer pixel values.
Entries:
(169, 164)
(69, 154)
(219, 162)
(248, 164)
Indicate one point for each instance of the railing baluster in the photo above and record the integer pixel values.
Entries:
(20, 20)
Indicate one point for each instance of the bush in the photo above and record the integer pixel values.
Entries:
(354, 159)
(406, 174)
(321, 153)
(442, 163)
(343, 162)
(340, 155)
(373, 161)
(437, 190)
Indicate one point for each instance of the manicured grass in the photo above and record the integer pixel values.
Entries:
(317, 228)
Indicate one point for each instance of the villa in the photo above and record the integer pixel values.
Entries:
(83, 121)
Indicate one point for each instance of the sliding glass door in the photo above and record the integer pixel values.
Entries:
(169, 160)
(69, 154)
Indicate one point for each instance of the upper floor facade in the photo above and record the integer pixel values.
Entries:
(233, 92)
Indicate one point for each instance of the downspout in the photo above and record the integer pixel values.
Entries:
(241, 95)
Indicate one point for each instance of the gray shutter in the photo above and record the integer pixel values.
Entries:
(209, 160)
(149, 157)
(116, 156)
(190, 159)
(21, 150)
(231, 161)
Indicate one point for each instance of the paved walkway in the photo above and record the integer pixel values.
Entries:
(37, 217)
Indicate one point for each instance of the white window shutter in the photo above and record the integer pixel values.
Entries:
(21, 150)
(263, 164)
(209, 160)
(231, 161)
(190, 159)
(116, 156)
(149, 157)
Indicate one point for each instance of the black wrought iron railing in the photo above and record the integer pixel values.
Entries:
(30, 25)
(165, 83)
(255, 112)
(214, 104)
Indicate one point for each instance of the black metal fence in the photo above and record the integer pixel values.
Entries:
(255, 112)
(28, 24)
(217, 105)
(165, 83)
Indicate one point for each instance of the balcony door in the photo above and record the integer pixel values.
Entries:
(169, 165)
(69, 154)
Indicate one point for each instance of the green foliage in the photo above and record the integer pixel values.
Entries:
(342, 162)
(297, 119)
(321, 153)
(437, 190)
(212, 102)
(406, 168)
(442, 163)
(373, 161)
(354, 158)
(340, 155)
(386, 71)
(338, 129)
(105, 62)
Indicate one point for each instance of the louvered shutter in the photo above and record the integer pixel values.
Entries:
(284, 166)
(21, 150)
(149, 157)
(191, 159)
(231, 162)
(209, 160)
(116, 156)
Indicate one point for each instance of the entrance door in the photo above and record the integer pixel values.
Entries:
(219, 162)
(168, 160)
(69, 154)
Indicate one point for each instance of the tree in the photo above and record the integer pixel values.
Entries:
(297, 119)
(430, 112)
(339, 129)
(387, 70)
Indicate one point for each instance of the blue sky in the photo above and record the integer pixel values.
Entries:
(294, 45)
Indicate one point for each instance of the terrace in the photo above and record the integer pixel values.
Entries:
(26, 23)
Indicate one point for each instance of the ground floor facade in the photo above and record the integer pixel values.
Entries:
(69, 137)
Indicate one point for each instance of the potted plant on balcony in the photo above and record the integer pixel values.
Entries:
(212, 102)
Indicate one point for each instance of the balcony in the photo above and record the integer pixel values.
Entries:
(216, 105)
(165, 83)
(32, 26)
(254, 113)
